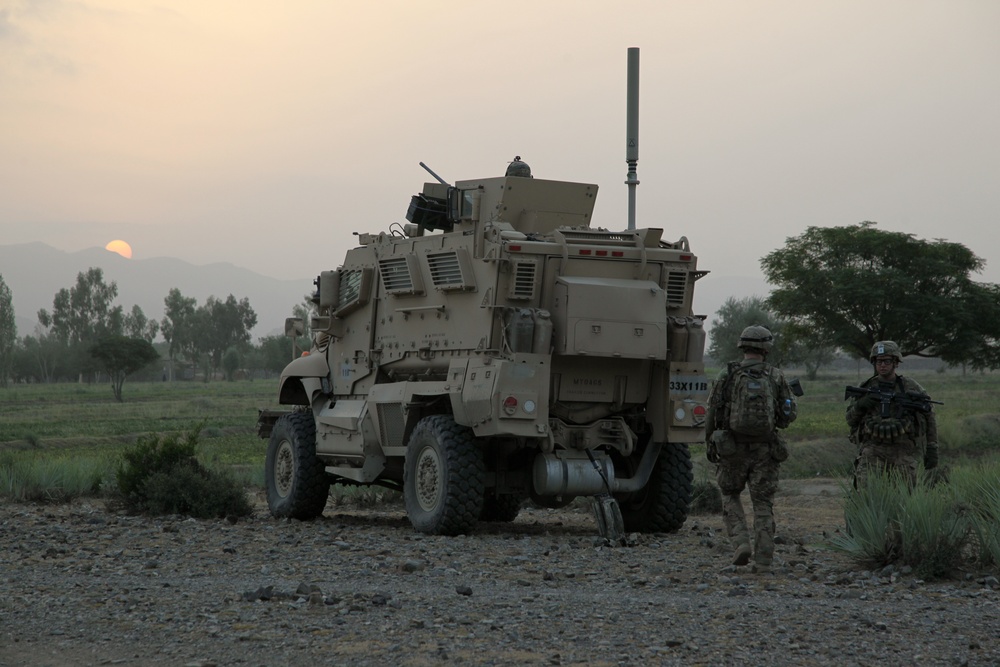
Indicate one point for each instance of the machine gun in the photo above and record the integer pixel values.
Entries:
(911, 400)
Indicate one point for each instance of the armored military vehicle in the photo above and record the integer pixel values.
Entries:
(496, 348)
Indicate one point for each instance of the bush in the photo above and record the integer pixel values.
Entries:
(887, 522)
(162, 476)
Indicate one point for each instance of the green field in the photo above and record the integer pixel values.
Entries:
(68, 421)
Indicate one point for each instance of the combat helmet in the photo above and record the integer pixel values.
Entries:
(518, 168)
(756, 337)
(883, 348)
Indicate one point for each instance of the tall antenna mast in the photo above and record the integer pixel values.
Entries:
(632, 131)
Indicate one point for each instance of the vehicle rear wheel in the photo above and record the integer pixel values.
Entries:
(662, 506)
(443, 477)
(297, 484)
(501, 508)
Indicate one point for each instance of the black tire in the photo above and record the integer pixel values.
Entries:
(443, 477)
(297, 484)
(500, 508)
(662, 507)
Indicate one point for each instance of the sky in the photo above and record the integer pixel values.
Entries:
(266, 134)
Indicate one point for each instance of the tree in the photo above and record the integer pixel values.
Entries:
(852, 286)
(8, 332)
(732, 317)
(231, 363)
(83, 313)
(137, 325)
(274, 353)
(224, 324)
(176, 325)
(120, 356)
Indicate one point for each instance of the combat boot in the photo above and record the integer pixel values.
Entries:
(742, 555)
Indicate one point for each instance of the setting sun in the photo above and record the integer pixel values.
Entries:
(120, 247)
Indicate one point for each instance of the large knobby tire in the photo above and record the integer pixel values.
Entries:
(501, 508)
(297, 484)
(662, 507)
(443, 477)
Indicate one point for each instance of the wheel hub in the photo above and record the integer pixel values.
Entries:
(284, 469)
(428, 479)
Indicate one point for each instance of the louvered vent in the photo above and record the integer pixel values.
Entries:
(399, 275)
(523, 280)
(451, 270)
(676, 288)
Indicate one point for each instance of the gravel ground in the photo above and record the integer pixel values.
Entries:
(83, 586)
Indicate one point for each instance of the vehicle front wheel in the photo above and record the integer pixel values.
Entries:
(443, 477)
(296, 480)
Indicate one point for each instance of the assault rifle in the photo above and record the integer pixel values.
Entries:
(911, 400)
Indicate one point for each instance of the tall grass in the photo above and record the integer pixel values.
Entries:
(933, 529)
(34, 477)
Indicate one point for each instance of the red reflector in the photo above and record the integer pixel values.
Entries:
(686, 258)
(514, 248)
(510, 402)
(601, 253)
(617, 253)
(584, 252)
(699, 410)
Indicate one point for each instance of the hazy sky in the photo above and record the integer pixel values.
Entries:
(264, 133)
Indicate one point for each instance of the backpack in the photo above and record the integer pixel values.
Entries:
(751, 400)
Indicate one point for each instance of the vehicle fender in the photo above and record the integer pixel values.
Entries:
(302, 379)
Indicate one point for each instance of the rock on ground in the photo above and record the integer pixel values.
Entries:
(80, 585)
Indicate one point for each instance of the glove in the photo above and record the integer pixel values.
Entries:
(866, 403)
(931, 456)
(711, 452)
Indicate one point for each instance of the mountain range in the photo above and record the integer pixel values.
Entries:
(35, 272)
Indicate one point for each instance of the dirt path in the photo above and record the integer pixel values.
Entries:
(81, 586)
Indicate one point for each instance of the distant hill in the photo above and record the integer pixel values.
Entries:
(35, 272)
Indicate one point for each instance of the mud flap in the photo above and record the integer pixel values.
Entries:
(610, 524)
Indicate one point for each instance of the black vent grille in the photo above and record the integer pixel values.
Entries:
(676, 288)
(523, 280)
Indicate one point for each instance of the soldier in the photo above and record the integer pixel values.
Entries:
(750, 400)
(892, 442)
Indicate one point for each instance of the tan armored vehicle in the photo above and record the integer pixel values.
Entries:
(499, 348)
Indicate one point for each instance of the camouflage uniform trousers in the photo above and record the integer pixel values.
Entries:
(880, 458)
(753, 466)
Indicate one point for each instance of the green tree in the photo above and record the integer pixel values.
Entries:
(176, 325)
(275, 352)
(851, 286)
(43, 358)
(732, 317)
(83, 313)
(137, 325)
(120, 356)
(8, 332)
(231, 363)
(224, 324)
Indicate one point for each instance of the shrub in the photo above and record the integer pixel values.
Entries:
(706, 498)
(160, 475)
(887, 522)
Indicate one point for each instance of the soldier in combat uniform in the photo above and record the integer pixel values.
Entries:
(750, 460)
(891, 443)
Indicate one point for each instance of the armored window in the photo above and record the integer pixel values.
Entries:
(523, 280)
(400, 275)
(451, 270)
(355, 289)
